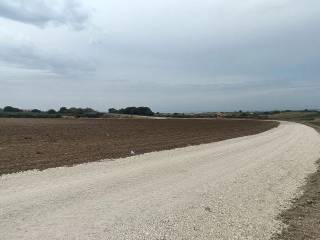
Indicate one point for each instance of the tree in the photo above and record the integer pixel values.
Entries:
(11, 109)
(51, 111)
(36, 111)
(143, 111)
(63, 110)
(112, 110)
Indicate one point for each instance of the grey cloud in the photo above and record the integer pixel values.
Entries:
(28, 57)
(286, 49)
(181, 55)
(44, 12)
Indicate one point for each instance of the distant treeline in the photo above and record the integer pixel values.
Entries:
(142, 111)
(294, 115)
(15, 112)
(10, 111)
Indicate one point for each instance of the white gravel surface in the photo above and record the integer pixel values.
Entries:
(231, 189)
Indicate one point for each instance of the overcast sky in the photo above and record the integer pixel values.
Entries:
(171, 55)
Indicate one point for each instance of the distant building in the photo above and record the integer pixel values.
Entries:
(220, 115)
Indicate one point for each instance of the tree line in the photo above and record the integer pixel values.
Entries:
(9, 111)
(143, 111)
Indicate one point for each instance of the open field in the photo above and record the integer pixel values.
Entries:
(296, 116)
(42, 143)
(233, 189)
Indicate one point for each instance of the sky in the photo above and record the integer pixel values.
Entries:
(170, 55)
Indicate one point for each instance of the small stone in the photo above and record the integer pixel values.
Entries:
(208, 209)
(309, 201)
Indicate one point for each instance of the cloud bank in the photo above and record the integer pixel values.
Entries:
(180, 55)
(43, 12)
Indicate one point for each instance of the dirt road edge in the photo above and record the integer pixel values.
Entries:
(303, 218)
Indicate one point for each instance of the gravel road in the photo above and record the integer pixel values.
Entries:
(232, 189)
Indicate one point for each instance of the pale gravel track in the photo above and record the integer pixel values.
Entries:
(232, 189)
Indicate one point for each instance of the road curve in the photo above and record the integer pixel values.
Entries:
(231, 189)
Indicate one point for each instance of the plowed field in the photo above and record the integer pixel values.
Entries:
(43, 143)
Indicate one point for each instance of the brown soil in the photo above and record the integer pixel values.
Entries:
(43, 143)
(303, 218)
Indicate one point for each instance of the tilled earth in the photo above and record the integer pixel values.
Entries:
(43, 143)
